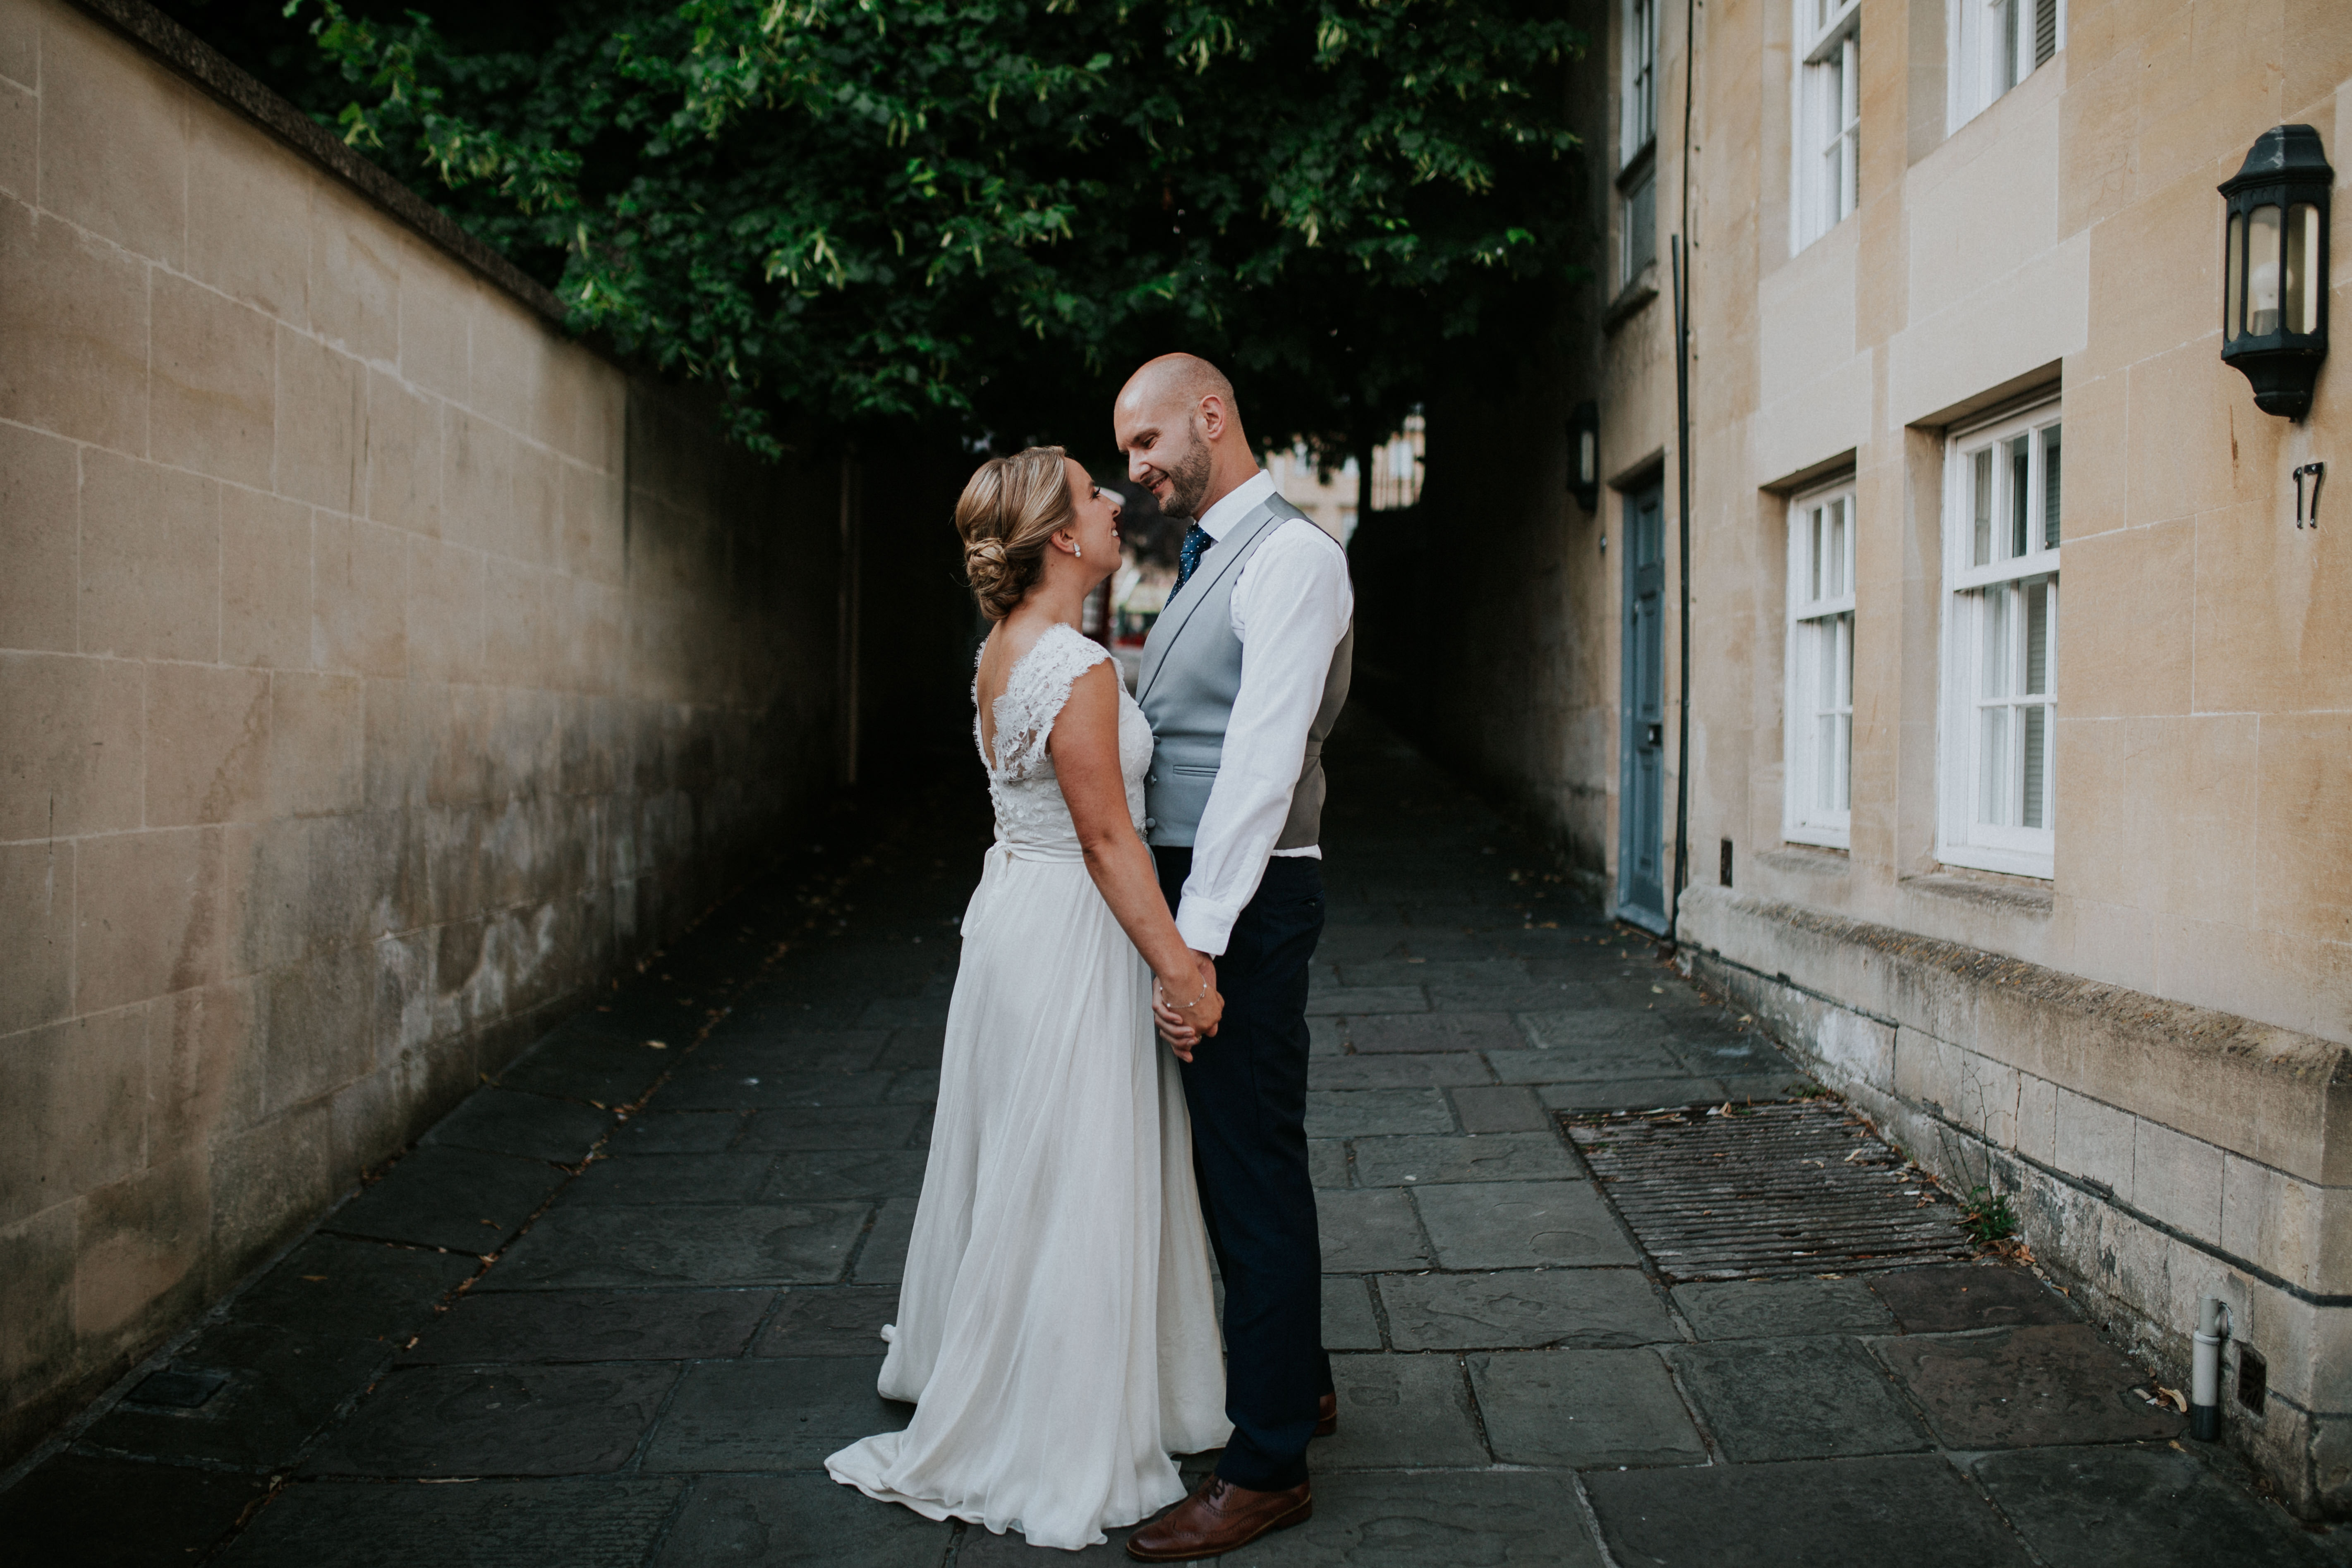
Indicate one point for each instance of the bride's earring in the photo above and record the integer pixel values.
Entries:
(1077, 549)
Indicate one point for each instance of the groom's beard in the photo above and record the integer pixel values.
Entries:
(1188, 483)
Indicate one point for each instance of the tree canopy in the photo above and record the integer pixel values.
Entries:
(984, 212)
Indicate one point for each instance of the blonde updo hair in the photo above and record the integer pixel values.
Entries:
(1008, 509)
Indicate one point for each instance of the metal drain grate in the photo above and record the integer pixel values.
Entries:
(1781, 1190)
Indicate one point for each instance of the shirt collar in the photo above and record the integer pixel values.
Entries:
(1239, 503)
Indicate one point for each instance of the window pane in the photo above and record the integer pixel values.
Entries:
(2010, 75)
(2037, 637)
(1992, 775)
(2050, 488)
(1996, 643)
(1813, 554)
(2234, 292)
(1837, 547)
(1845, 661)
(2036, 766)
(2302, 256)
(2262, 272)
(1982, 496)
(2021, 452)
(1641, 225)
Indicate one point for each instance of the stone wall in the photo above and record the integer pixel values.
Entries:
(378, 668)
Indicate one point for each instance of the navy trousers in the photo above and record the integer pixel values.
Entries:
(1247, 1089)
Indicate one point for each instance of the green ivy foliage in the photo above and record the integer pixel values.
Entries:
(983, 213)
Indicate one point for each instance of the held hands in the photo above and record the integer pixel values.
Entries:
(1187, 1008)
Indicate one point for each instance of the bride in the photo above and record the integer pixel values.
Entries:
(1055, 1332)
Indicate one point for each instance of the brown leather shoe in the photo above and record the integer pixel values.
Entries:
(1219, 1517)
(1327, 1415)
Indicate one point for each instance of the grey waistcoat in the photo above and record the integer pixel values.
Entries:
(1193, 672)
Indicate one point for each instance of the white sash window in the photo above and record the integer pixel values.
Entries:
(1828, 104)
(1993, 45)
(2001, 532)
(1818, 732)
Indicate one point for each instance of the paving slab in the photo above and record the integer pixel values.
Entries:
(798, 1522)
(1358, 1113)
(676, 1133)
(682, 1244)
(353, 1289)
(816, 1176)
(1768, 1308)
(841, 1320)
(2030, 1388)
(1400, 1411)
(507, 1122)
(1485, 971)
(605, 1521)
(1632, 1094)
(719, 1088)
(525, 1326)
(602, 1071)
(1527, 997)
(1521, 1225)
(503, 1421)
(1579, 1408)
(1418, 1033)
(282, 1389)
(883, 1260)
(1470, 1157)
(1356, 1002)
(1628, 1059)
(1369, 1232)
(1949, 1297)
(94, 1512)
(1597, 1032)
(1797, 1399)
(1498, 1108)
(914, 1085)
(1524, 1309)
(916, 1047)
(755, 1044)
(463, 1199)
(2141, 1507)
(1435, 1070)
(1348, 1321)
(1912, 1509)
(783, 1414)
(870, 1127)
(1433, 1519)
(1327, 1162)
(904, 1013)
(731, 1178)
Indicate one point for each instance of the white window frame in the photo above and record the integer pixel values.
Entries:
(1639, 81)
(1994, 45)
(1996, 811)
(1826, 127)
(1817, 713)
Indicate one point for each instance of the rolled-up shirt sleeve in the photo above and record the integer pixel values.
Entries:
(1291, 607)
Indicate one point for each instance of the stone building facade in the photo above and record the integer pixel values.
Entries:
(379, 670)
(2060, 898)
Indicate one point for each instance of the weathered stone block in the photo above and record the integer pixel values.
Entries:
(248, 204)
(446, 609)
(70, 745)
(321, 422)
(114, 147)
(438, 299)
(315, 743)
(149, 561)
(317, 1031)
(355, 276)
(73, 332)
(148, 915)
(2177, 1180)
(264, 581)
(40, 505)
(2096, 1142)
(208, 745)
(404, 455)
(212, 387)
(76, 1115)
(140, 1243)
(359, 613)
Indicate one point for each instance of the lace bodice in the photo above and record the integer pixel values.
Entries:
(1022, 786)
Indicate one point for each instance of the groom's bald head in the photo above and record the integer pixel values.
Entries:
(1176, 422)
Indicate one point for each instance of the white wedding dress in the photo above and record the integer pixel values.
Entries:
(1055, 1332)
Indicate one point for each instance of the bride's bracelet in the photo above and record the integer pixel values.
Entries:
(1188, 1007)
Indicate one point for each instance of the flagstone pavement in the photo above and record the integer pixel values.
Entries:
(617, 1307)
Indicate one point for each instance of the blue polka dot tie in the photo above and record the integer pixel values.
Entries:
(1188, 556)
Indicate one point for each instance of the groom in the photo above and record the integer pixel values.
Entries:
(1243, 676)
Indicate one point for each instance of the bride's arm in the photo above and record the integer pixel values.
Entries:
(1084, 744)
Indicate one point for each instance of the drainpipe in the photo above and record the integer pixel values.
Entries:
(1681, 505)
(2205, 1370)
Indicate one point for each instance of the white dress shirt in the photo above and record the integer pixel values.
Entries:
(1290, 609)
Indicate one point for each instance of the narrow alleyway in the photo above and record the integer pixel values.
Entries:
(624, 1301)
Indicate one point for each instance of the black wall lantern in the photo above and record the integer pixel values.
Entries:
(2274, 267)
(1584, 455)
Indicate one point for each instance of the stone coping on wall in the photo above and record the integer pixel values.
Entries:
(207, 67)
(2273, 1095)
